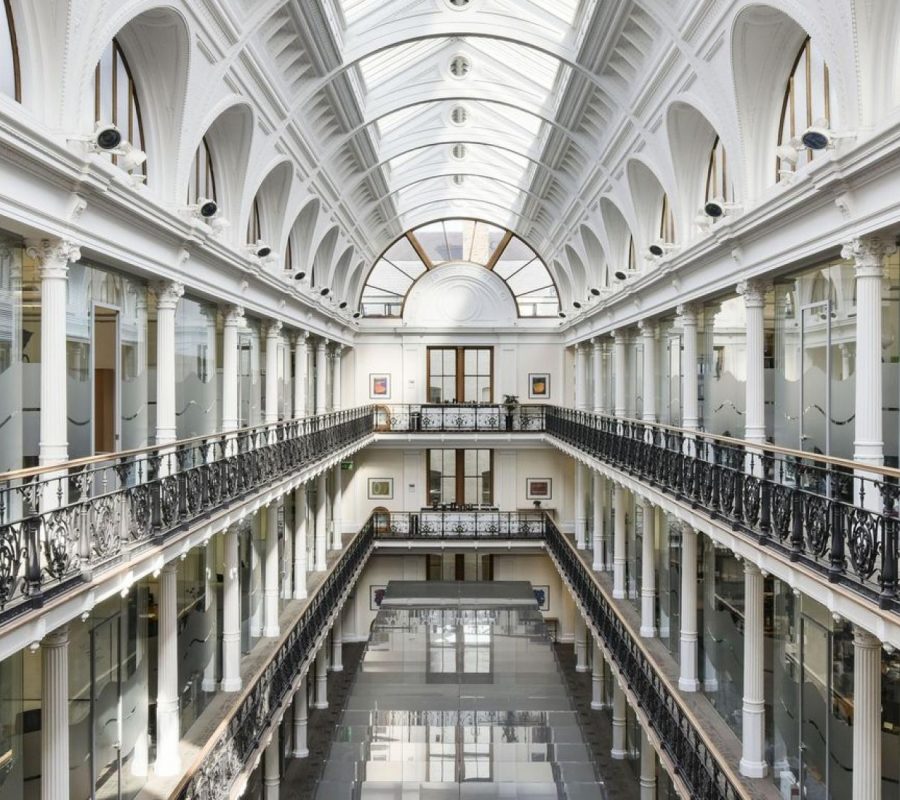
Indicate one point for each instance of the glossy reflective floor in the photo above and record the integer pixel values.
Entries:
(459, 695)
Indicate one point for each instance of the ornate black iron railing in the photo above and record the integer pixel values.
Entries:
(695, 762)
(438, 417)
(240, 736)
(462, 524)
(60, 525)
(838, 517)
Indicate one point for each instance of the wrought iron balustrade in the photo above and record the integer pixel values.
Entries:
(441, 524)
(439, 417)
(61, 524)
(838, 517)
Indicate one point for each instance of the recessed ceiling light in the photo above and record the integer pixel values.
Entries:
(460, 66)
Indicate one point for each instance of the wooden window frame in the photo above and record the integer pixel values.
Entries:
(460, 370)
(460, 475)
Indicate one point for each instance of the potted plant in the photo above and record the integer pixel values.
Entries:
(511, 404)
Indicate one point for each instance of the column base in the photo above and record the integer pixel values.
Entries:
(304, 753)
(300, 595)
(598, 705)
(597, 566)
(754, 769)
(231, 685)
(618, 594)
(320, 566)
(272, 632)
(320, 706)
(648, 633)
(689, 684)
(618, 755)
(209, 685)
(582, 668)
(337, 668)
(711, 685)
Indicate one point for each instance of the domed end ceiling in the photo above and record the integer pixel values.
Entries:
(464, 242)
(459, 295)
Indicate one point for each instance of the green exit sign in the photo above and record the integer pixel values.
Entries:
(347, 464)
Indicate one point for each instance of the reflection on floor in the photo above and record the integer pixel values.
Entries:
(458, 695)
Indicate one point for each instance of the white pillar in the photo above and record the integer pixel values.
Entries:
(168, 293)
(619, 733)
(597, 372)
(753, 756)
(690, 405)
(211, 597)
(867, 766)
(648, 572)
(321, 542)
(300, 543)
(580, 377)
(257, 581)
(619, 534)
(687, 680)
(597, 527)
(648, 337)
(310, 377)
(286, 561)
(321, 376)
(301, 715)
(620, 369)
(232, 319)
(55, 714)
(53, 257)
(337, 504)
(598, 679)
(336, 387)
(270, 576)
(168, 722)
(337, 643)
(231, 614)
(321, 678)
(273, 339)
(300, 358)
(754, 293)
(648, 768)
(580, 505)
(868, 256)
(271, 766)
(581, 664)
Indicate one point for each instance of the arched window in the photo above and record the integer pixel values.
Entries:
(9, 56)
(718, 180)
(666, 221)
(807, 99)
(254, 227)
(115, 97)
(202, 180)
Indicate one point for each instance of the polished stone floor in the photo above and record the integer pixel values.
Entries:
(458, 694)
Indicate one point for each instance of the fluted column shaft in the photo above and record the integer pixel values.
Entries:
(754, 293)
(168, 723)
(167, 297)
(619, 536)
(231, 614)
(336, 387)
(231, 324)
(300, 377)
(211, 597)
(753, 757)
(300, 543)
(580, 377)
(597, 372)
(321, 377)
(273, 340)
(687, 680)
(619, 733)
(598, 679)
(597, 532)
(55, 715)
(867, 767)
(301, 717)
(580, 504)
(310, 376)
(690, 404)
(337, 505)
(271, 765)
(648, 768)
(321, 678)
(321, 543)
(620, 369)
(270, 576)
(337, 643)
(581, 664)
(648, 572)
(648, 337)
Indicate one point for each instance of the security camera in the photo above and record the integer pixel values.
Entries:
(660, 248)
(819, 136)
(325, 292)
(718, 208)
(562, 314)
(576, 304)
(595, 292)
(299, 276)
(356, 315)
(106, 136)
(619, 275)
(260, 249)
(207, 208)
(342, 304)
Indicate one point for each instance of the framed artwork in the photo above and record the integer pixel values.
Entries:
(379, 386)
(538, 488)
(381, 488)
(542, 597)
(376, 595)
(538, 385)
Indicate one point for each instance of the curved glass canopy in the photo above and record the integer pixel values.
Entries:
(459, 241)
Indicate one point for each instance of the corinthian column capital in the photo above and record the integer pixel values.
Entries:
(234, 315)
(168, 293)
(753, 292)
(867, 253)
(53, 255)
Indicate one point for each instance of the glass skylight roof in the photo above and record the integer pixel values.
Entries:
(459, 240)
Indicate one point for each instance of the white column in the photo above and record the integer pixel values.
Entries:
(648, 572)
(580, 376)
(231, 614)
(273, 339)
(53, 257)
(581, 664)
(337, 505)
(648, 338)
(754, 293)
(753, 756)
(867, 766)
(286, 561)
(270, 576)
(300, 543)
(868, 256)
(300, 357)
(619, 535)
(232, 319)
(580, 505)
(257, 581)
(310, 376)
(597, 373)
(687, 680)
(55, 714)
(598, 679)
(337, 643)
(321, 376)
(271, 776)
(301, 715)
(168, 293)
(619, 733)
(597, 527)
(211, 599)
(321, 678)
(321, 543)
(648, 768)
(620, 369)
(336, 388)
(690, 405)
(168, 723)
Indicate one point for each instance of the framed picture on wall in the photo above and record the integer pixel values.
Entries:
(381, 488)
(376, 595)
(538, 488)
(542, 597)
(538, 385)
(379, 386)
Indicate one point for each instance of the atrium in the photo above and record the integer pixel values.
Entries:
(435, 399)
